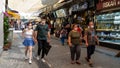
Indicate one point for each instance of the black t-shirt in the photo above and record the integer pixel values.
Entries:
(42, 31)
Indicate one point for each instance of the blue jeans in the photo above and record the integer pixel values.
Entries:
(62, 40)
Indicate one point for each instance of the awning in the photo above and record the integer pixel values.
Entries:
(13, 14)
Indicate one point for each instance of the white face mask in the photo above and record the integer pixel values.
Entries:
(30, 27)
(92, 26)
(75, 29)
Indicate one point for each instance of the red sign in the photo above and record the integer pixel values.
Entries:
(108, 4)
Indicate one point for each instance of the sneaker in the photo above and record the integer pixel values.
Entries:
(90, 63)
(43, 60)
(38, 58)
(30, 61)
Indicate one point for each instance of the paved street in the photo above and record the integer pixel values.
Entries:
(14, 58)
(58, 57)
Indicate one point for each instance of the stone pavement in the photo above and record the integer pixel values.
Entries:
(59, 57)
(14, 58)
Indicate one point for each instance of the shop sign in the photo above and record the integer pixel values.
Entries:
(108, 4)
(75, 7)
(79, 7)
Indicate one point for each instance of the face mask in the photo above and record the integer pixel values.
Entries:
(75, 28)
(92, 26)
(30, 27)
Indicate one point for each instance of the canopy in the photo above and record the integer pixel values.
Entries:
(13, 14)
(29, 8)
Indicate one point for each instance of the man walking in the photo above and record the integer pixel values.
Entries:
(42, 36)
(90, 39)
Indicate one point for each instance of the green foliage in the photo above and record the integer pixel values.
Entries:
(6, 30)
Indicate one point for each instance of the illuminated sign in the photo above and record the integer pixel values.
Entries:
(108, 4)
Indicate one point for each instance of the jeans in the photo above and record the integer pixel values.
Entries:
(41, 46)
(75, 51)
(90, 51)
(62, 40)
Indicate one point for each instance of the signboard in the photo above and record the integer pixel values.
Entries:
(79, 7)
(61, 13)
(84, 6)
(75, 7)
(108, 4)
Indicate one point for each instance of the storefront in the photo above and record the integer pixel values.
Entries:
(78, 13)
(108, 23)
(61, 19)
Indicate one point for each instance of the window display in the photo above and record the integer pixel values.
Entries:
(108, 27)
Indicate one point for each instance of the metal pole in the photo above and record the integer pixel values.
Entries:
(6, 5)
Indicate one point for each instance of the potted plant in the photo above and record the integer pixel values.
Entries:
(6, 33)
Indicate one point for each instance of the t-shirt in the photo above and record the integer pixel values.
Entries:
(75, 37)
(90, 36)
(42, 31)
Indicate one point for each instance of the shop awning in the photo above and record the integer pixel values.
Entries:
(31, 6)
(28, 6)
(13, 14)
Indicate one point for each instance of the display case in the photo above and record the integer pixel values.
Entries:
(108, 27)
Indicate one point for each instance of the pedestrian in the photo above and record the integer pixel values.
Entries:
(68, 28)
(91, 40)
(28, 41)
(63, 34)
(42, 36)
(74, 41)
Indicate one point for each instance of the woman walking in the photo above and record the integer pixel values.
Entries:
(28, 41)
(74, 40)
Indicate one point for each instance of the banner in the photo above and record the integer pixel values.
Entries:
(108, 4)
